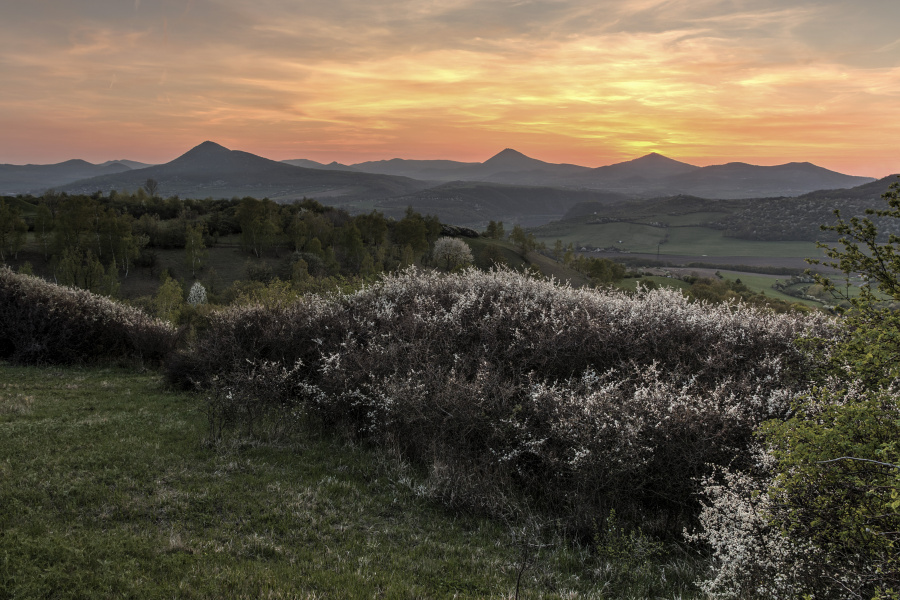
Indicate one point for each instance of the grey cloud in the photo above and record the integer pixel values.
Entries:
(356, 30)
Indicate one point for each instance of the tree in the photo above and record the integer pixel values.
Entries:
(354, 250)
(412, 231)
(152, 187)
(558, 250)
(451, 253)
(81, 268)
(13, 229)
(495, 230)
(569, 254)
(168, 300)
(43, 227)
(260, 224)
(76, 224)
(116, 239)
(525, 241)
(373, 227)
(874, 346)
(195, 252)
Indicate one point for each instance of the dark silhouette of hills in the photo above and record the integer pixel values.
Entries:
(311, 164)
(740, 180)
(871, 191)
(509, 186)
(508, 166)
(656, 175)
(131, 164)
(432, 170)
(647, 176)
(23, 179)
(476, 203)
(652, 166)
(211, 170)
(760, 219)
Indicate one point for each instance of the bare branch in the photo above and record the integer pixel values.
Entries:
(884, 464)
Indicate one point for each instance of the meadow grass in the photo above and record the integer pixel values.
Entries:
(109, 488)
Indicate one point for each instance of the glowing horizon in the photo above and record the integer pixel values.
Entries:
(565, 81)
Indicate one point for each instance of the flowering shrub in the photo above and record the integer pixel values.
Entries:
(45, 323)
(451, 254)
(197, 294)
(815, 517)
(580, 400)
(752, 556)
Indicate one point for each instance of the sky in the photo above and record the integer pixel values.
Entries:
(589, 82)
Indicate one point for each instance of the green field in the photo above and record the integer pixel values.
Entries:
(683, 240)
(110, 488)
(763, 284)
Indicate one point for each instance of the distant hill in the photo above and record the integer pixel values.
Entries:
(473, 204)
(650, 167)
(311, 164)
(740, 180)
(656, 175)
(647, 176)
(800, 218)
(131, 164)
(781, 219)
(508, 166)
(36, 179)
(432, 170)
(509, 186)
(211, 170)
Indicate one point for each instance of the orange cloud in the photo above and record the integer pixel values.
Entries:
(563, 80)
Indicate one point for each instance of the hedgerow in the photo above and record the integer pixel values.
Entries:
(501, 386)
(41, 322)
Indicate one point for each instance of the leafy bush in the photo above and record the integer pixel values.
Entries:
(45, 323)
(820, 514)
(503, 386)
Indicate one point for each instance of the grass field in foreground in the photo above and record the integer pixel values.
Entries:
(108, 489)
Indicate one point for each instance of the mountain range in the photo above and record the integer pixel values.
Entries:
(650, 175)
(211, 170)
(508, 186)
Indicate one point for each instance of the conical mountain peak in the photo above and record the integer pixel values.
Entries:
(511, 158)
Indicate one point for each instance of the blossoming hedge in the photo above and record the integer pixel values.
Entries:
(41, 322)
(502, 386)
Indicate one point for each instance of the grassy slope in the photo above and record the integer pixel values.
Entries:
(108, 491)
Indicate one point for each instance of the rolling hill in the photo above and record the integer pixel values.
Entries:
(647, 176)
(473, 204)
(509, 186)
(509, 167)
(25, 179)
(211, 170)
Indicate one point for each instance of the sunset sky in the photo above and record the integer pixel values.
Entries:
(590, 82)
